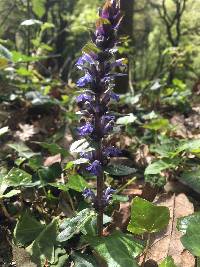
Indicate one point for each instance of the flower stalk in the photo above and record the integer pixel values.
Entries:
(98, 64)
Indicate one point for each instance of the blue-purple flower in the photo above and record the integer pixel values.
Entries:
(85, 80)
(95, 168)
(88, 193)
(112, 151)
(86, 129)
(83, 98)
(107, 195)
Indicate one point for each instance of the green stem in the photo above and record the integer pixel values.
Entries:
(146, 249)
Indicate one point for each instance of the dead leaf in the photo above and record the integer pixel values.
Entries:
(168, 241)
(51, 160)
(22, 258)
(26, 131)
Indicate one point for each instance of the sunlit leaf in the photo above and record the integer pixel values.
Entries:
(39, 7)
(128, 119)
(168, 262)
(77, 183)
(147, 217)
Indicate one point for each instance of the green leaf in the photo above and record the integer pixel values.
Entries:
(90, 48)
(43, 246)
(77, 183)
(189, 225)
(161, 165)
(118, 250)
(147, 217)
(119, 170)
(157, 124)
(49, 174)
(39, 7)
(73, 226)
(168, 262)
(190, 146)
(128, 119)
(83, 260)
(192, 179)
(81, 145)
(4, 130)
(60, 257)
(10, 194)
(5, 57)
(17, 177)
(23, 150)
(27, 229)
(54, 149)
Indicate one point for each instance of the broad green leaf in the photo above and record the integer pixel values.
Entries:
(157, 124)
(192, 179)
(189, 225)
(77, 183)
(81, 145)
(4, 130)
(161, 165)
(18, 57)
(120, 198)
(27, 229)
(54, 149)
(43, 247)
(128, 119)
(60, 257)
(84, 260)
(39, 7)
(190, 146)
(118, 250)
(23, 150)
(119, 170)
(147, 217)
(184, 222)
(17, 177)
(168, 262)
(70, 227)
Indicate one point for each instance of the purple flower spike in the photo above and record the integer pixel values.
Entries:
(85, 80)
(95, 168)
(86, 129)
(88, 193)
(85, 58)
(107, 195)
(83, 98)
(112, 151)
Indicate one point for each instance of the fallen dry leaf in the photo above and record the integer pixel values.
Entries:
(52, 159)
(26, 131)
(168, 241)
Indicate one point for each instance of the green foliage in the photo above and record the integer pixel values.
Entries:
(119, 170)
(70, 227)
(168, 262)
(118, 250)
(39, 7)
(147, 217)
(190, 227)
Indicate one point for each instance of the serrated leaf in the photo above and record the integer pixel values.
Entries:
(17, 177)
(128, 119)
(118, 250)
(81, 145)
(27, 229)
(147, 217)
(43, 246)
(168, 262)
(77, 183)
(119, 170)
(73, 226)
